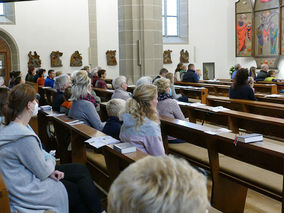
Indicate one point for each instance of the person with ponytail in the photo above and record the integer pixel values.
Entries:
(34, 181)
(141, 124)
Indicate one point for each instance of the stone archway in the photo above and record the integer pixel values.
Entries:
(15, 59)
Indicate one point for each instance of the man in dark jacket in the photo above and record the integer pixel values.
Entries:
(190, 75)
(263, 74)
(163, 73)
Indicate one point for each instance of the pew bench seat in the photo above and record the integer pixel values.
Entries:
(254, 177)
(97, 159)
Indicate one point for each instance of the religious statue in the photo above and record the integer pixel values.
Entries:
(111, 60)
(76, 59)
(184, 56)
(34, 60)
(167, 57)
(55, 59)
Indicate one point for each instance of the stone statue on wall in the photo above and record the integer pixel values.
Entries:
(111, 59)
(55, 59)
(184, 56)
(76, 59)
(34, 60)
(167, 57)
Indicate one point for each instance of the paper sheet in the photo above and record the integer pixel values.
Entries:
(101, 141)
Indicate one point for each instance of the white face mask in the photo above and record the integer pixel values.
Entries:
(35, 110)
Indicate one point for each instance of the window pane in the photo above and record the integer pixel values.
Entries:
(163, 19)
(172, 7)
(172, 26)
(1, 9)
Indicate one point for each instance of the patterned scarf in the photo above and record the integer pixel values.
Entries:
(164, 96)
(90, 98)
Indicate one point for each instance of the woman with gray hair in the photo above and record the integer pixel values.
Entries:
(61, 82)
(145, 80)
(84, 104)
(120, 86)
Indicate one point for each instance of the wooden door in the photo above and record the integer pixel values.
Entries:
(5, 60)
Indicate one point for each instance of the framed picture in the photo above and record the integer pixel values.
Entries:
(244, 34)
(267, 32)
(244, 6)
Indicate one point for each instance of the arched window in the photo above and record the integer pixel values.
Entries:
(175, 21)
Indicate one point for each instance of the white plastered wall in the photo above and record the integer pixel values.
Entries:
(50, 25)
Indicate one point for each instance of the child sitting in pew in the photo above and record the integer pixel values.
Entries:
(158, 184)
(271, 77)
(113, 124)
(66, 105)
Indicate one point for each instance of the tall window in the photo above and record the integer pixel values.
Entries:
(170, 18)
(2, 9)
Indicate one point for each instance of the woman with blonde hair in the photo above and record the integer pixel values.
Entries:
(141, 124)
(84, 104)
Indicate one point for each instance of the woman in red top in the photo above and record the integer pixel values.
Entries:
(100, 83)
(40, 80)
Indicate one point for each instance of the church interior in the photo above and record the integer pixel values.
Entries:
(135, 106)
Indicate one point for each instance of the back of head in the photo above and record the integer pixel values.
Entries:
(237, 67)
(170, 76)
(4, 92)
(81, 83)
(271, 73)
(19, 80)
(241, 78)
(252, 70)
(162, 85)
(163, 71)
(191, 67)
(58, 73)
(158, 184)
(115, 106)
(31, 69)
(19, 98)
(101, 72)
(179, 67)
(117, 82)
(67, 93)
(145, 80)
(264, 67)
(139, 106)
(61, 82)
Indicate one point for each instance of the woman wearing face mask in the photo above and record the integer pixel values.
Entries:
(33, 180)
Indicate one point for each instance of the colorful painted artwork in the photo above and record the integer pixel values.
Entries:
(244, 34)
(266, 4)
(267, 33)
(244, 6)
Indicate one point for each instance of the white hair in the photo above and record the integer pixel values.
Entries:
(80, 84)
(95, 70)
(115, 106)
(119, 81)
(61, 81)
(264, 66)
(158, 184)
(145, 80)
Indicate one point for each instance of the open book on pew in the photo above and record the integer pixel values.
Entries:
(101, 141)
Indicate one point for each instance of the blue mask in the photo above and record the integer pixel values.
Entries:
(171, 92)
(45, 75)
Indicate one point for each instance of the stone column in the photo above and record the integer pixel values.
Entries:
(93, 49)
(140, 38)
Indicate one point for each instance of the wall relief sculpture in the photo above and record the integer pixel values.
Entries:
(34, 60)
(111, 59)
(76, 59)
(184, 56)
(55, 60)
(167, 59)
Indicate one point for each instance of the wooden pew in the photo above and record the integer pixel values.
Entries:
(193, 92)
(236, 120)
(50, 94)
(264, 98)
(4, 198)
(104, 94)
(256, 166)
(255, 107)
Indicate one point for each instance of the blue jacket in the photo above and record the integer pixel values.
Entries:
(242, 92)
(112, 127)
(190, 76)
(234, 74)
(49, 82)
(57, 101)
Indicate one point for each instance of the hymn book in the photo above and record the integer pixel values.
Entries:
(124, 148)
(249, 138)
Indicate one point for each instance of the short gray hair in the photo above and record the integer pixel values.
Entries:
(145, 80)
(237, 66)
(115, 106)
(158, 184)
(119, 81)
(263, 66)
(61, 81)
(80, 81)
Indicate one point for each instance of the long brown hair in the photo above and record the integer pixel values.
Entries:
(241, 78)
(3, 98)
(19, 98)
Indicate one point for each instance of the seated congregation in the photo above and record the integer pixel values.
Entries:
(156, 183)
